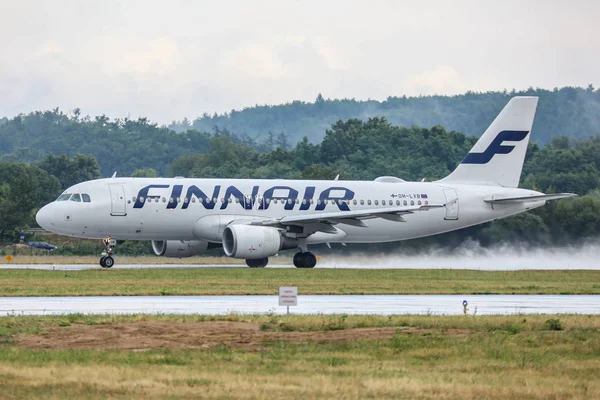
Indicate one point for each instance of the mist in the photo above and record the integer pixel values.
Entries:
(471, 255)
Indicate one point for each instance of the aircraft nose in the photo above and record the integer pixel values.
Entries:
(44, 217)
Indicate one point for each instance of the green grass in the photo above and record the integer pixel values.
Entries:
(443, 357)
(214, 281)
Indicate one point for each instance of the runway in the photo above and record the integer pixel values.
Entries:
(309, 304)
(505, 258)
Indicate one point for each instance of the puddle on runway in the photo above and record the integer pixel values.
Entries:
(309, 304)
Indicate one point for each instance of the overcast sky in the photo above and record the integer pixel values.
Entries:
(167, 60)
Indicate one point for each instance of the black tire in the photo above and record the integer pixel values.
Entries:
(299, 260)
(108, 262)
(310, 260)
(257, 263)
(102, 262)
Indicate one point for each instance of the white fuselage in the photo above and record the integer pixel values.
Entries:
(177, 208)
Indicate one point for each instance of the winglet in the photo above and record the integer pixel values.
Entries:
(114, 175)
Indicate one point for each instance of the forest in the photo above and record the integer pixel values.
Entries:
(126, 144)
(353, 148)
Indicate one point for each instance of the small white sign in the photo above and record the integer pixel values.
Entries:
(288, 296)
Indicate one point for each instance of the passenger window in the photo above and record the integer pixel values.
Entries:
(319, 201)
(76, 197)
(179, 199)
(376, 202)
(64, 197)
(405, 203)
(362, 202)
(170, 199)
(214, 200)
(354, 202)
(164, 200)
(397, 202)
(193, 199)
(186, 200)
(426, 202)
(419, 202)
(369, 202)
(86, 198)
(142, 199)
(133, 199)
(311, 201)
(230, 201)
(412, 202)
(289, 201)
(297, 201)
(268, 201)
(304, 201)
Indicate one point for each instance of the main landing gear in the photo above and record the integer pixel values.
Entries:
(257, 263)
(305, 259)
(107, 260)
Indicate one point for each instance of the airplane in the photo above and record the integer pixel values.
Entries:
(254, 219)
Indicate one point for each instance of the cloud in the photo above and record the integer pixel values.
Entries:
(181, 59)
(443, 80)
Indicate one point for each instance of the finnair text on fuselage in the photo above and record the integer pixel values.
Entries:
(173, 197)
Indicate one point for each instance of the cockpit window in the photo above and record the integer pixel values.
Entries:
(64, 197)
(76, 197)
(86, 198)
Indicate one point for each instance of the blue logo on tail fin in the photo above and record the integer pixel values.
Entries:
(496, 147)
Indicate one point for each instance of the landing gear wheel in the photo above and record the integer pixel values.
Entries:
(257, 263)
(299, 260)
(108, 262)
(305, 260)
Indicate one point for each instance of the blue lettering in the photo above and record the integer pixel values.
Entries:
(143, 194)
(268, 196)
(247, 203)
(309, 193)
(175, 195)
(340, 201)
(208, 203)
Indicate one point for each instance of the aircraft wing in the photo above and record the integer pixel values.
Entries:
(526, 199)
(355, 218)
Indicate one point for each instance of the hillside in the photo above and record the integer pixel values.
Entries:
(126, 145)
(573, 112)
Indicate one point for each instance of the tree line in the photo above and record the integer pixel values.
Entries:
(568, 111)
(126, 145)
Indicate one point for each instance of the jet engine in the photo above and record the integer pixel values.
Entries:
(179, 248)
(254, 242)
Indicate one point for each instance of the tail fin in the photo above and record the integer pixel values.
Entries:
(497, 157)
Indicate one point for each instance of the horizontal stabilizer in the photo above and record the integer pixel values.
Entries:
(527, 199)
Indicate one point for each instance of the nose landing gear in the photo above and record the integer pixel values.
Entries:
(107, 260)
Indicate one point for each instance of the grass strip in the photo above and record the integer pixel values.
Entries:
(441, 357)
(246, 281)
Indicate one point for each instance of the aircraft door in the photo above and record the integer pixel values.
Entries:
(117, 200)
(451, 204)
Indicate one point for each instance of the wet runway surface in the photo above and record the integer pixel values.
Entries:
(309, 304)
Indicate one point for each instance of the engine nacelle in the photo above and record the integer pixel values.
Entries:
(179, 248)
(253, 242)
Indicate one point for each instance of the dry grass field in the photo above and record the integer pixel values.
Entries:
(321, 357)
(241, 281)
